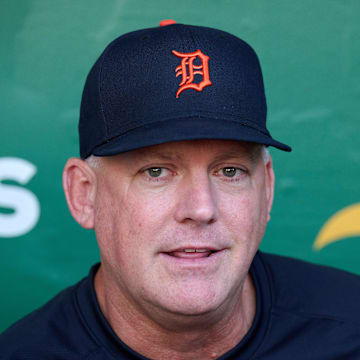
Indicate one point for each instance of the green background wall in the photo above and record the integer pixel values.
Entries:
(310, 53)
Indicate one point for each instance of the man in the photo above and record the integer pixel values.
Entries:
(176, 180)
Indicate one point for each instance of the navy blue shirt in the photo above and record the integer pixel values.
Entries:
(304, 311)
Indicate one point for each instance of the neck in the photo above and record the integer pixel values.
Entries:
(171, 336)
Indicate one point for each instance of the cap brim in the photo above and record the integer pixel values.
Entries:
(190, 128)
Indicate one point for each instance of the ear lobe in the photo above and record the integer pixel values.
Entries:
(270, 183)
(79, 182)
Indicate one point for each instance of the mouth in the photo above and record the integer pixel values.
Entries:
(192, 253)
(205, 259)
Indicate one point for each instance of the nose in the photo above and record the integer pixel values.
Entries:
(196, 200)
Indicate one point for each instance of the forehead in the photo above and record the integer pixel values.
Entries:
(191, 150)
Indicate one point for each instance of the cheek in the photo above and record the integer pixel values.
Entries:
(112, 222)
(150, 210)
(246, 214)
(128, 221)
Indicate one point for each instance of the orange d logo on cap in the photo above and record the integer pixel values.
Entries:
(188, 70)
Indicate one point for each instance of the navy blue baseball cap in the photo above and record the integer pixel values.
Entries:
(172, 83)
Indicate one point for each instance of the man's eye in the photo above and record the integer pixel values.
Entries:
(155, 172)
(230, 171)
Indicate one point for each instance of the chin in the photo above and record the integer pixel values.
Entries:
(193, 302)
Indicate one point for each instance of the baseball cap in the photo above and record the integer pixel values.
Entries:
(172, 83)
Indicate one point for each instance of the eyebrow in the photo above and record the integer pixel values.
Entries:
(155, 155)
(252, 154)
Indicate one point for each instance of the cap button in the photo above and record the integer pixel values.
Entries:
(167, 22)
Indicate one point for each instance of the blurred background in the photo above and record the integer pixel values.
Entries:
(310, 56)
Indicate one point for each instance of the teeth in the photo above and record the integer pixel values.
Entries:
(196, 250)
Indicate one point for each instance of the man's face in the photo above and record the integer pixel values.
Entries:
(178, 224)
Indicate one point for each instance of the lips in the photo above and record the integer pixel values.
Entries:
(189, 258)
(191, 253)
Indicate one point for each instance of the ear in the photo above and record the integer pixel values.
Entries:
(269, 183)
(79, 182)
